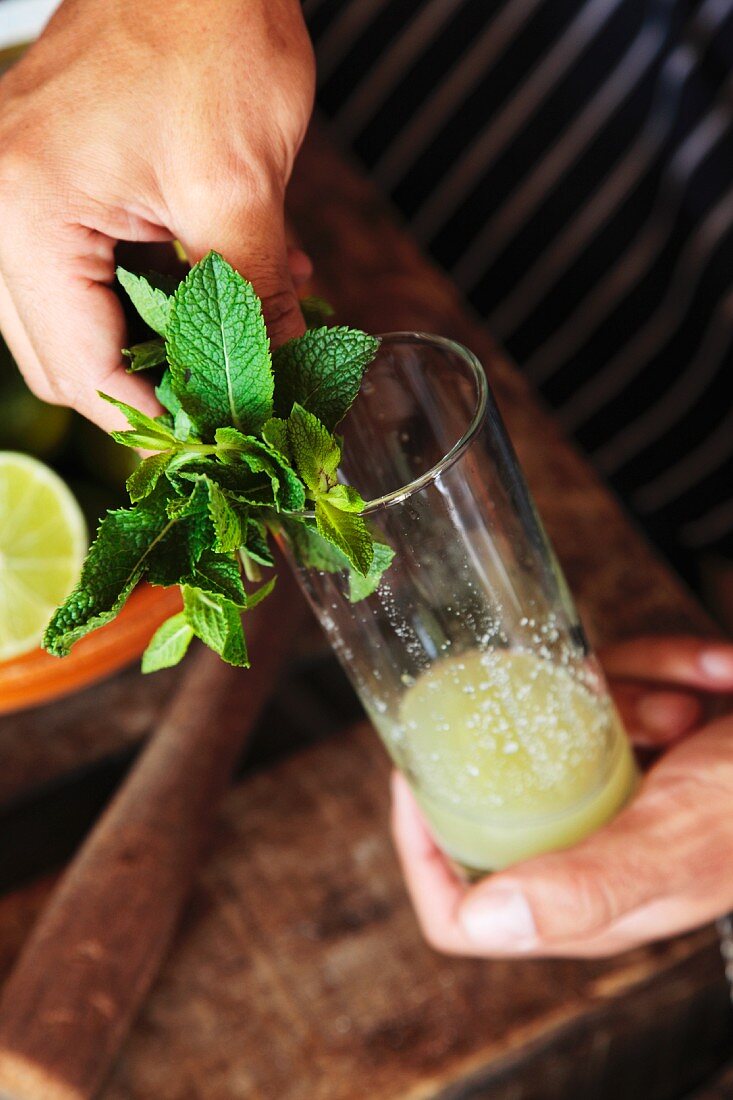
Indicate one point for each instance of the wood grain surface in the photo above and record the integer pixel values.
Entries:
(41, 745)
(69, 1000)
(300, 974)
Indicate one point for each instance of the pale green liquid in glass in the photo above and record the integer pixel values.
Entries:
(510, 755)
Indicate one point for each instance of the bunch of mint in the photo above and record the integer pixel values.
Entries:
(244, 450)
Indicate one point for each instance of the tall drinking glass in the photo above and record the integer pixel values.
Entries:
(469, 657)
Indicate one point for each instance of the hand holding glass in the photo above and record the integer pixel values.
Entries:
(469, 657)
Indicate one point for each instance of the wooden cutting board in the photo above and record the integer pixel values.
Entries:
(300, 974)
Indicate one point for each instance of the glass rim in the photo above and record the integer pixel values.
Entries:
(404, 492)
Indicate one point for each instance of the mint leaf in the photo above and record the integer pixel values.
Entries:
(232, 445)
(348, 533)
(183, 428)
(140, 421)
(316, 452)
(322, 371)
(218, 349)
(145, 477)
(275, 432)
(141, 440)
(253, 598)
(315, 310)
(236, 449)
(218, 623)
(362, 586)
(256, 543)
(152, 304)
(166, 394)
(219, 575)
(178, 420)
(229, 524)
(143, 356)
(114, 564)
(345, 498)
(311, 549)
(239, 481)
(182, 544)
(168, 645)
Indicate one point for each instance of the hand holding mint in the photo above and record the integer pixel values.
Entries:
(245, 450)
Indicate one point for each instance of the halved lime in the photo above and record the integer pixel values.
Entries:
(43, 540)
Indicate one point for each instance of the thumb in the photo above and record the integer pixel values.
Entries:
(252, 239)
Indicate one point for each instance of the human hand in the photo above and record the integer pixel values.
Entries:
(661, 867)
(138, 120)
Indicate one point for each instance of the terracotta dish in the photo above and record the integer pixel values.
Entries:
(37, 677)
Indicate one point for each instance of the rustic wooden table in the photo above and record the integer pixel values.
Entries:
(299, 972)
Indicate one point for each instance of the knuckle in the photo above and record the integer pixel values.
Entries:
(17, 165)
(237, 183)
(591, 896)
(292, 106)
(42, 388)
(281, 310)
(68, 390)
(598, 898)
(25, 147)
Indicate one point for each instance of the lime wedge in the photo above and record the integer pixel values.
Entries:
(42, 545)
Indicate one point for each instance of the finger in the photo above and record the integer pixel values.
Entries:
(654, 718)
(658, 869)
(251, 237)
(694, 662)
(435, 889)
(73, 323)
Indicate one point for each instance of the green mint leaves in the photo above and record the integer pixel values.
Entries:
(314, 449)
(218, 349)
(169, 644)
(143, 356)
(244, 450)
(322, 371)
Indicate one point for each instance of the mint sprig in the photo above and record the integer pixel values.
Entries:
(243, 451)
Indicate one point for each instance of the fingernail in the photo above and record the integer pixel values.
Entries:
(668, 713)
(499, 919)
(718, 664)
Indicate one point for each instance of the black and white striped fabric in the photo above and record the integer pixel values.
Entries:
(570, 164)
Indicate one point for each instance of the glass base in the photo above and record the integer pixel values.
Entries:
(477, 847)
